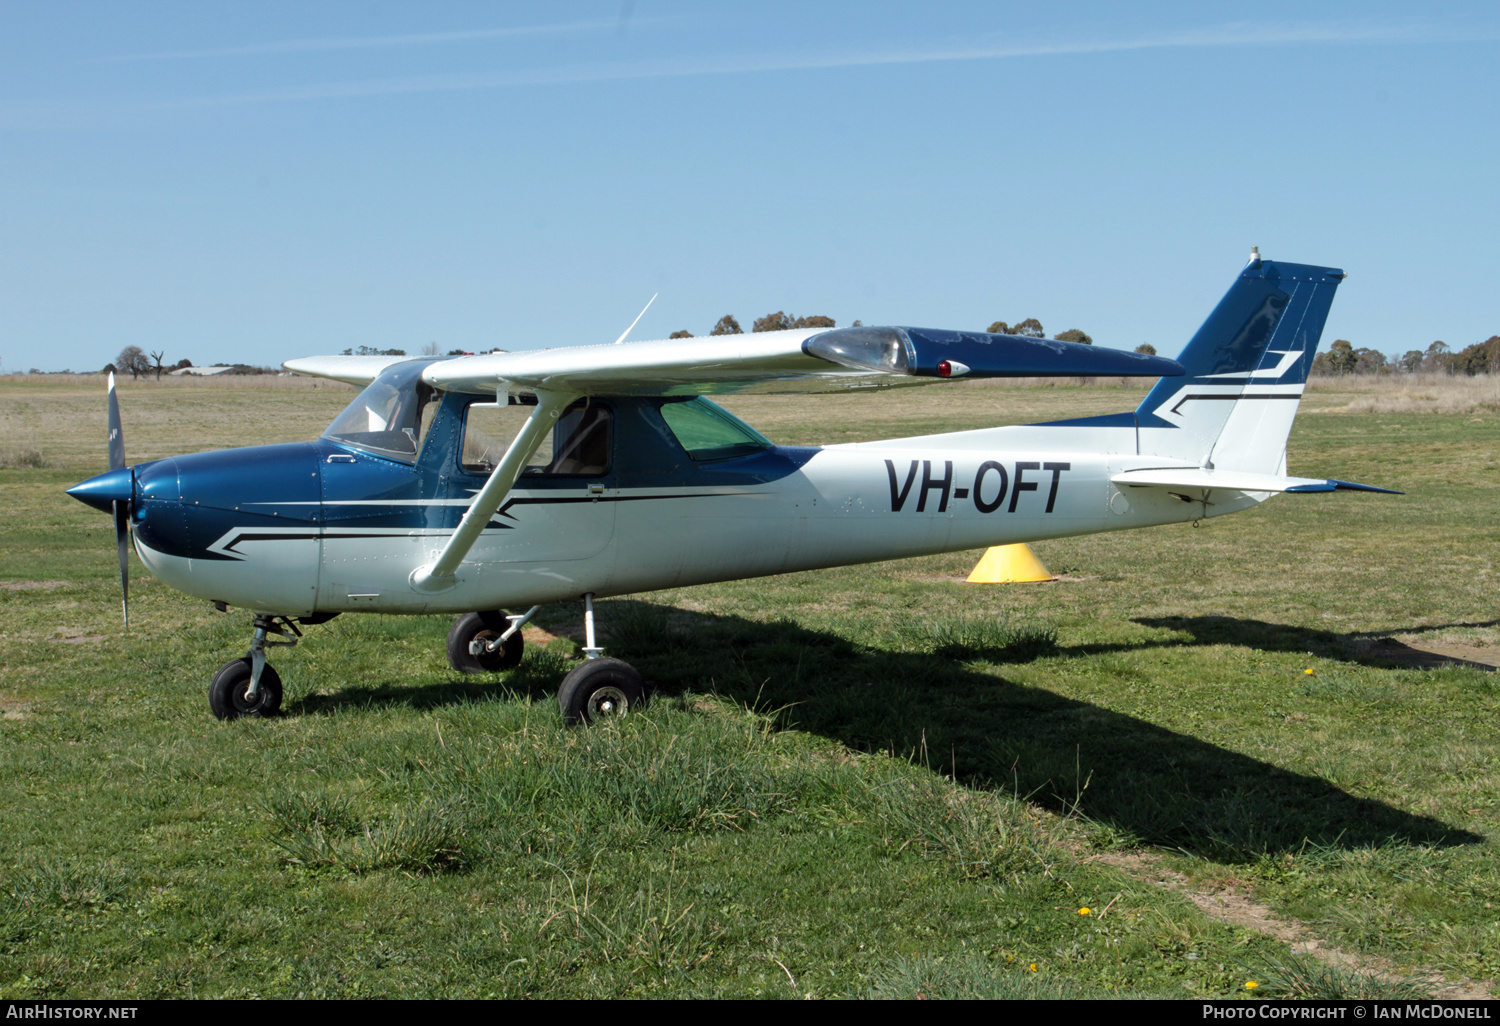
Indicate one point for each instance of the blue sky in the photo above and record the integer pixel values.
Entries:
(259, 181)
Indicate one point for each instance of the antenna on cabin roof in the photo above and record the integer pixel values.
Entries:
(1254, 254)
(637, 319)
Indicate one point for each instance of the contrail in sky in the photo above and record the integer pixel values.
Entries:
(1236, 34)
(365, 42)
(35, 114)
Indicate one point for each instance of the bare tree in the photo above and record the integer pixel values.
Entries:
(133, 360)
(157, 357)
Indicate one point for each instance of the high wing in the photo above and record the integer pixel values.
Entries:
(802, 360)
(353, 370)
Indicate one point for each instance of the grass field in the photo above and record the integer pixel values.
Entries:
(874, 781)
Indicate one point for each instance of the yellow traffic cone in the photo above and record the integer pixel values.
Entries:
(1009, 564)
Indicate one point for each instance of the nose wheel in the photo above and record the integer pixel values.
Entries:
(248, 686)
(229, 695)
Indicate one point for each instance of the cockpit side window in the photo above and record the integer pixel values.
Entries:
(579, 444)
(488, 430)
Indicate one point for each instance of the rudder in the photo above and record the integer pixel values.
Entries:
(1246, 368)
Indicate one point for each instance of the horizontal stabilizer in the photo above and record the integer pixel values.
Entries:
(1343, 486)
(1235, 481)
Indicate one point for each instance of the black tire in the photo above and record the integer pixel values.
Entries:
(600, 689)
(483, 626)
(226, 695)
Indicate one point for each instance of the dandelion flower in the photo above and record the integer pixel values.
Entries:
(1308, 671)
(1085, 912)
(1251, 985)
(1033, 967)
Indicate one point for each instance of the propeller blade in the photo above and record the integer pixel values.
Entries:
(121, 509)
(122, 534)
(116, 436)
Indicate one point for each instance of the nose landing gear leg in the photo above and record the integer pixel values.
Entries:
(249, 686)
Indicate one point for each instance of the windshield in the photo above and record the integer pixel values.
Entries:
(387, 418)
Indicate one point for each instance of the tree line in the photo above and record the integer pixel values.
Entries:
(1438, 358)
(1340, 358)
(782, 321)
(133, 359)
(778, 321)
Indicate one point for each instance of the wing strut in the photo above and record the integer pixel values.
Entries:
(439, 575)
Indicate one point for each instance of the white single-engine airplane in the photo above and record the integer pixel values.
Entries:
(474, 484)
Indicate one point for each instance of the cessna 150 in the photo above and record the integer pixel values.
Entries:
(478, 483)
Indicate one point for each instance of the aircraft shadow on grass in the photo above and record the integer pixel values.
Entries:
(1367, 648)
(1156, 785)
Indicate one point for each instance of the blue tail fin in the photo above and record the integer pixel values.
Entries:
(1246, 370)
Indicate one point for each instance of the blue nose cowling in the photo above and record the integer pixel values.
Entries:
(110, 487)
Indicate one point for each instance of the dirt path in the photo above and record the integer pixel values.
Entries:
(1240, 910)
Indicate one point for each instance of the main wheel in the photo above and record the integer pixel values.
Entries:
(600, 689)
(227, 698)
(487, 626)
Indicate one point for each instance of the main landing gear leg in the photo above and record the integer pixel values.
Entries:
(487, 642)
(249, 686)
(601, 688)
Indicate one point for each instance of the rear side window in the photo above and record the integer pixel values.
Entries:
(710, 432)
(578, 444)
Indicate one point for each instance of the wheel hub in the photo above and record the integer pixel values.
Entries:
(608, 702)
(485, 643)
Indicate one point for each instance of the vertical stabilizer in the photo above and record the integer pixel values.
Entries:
(1246, 369)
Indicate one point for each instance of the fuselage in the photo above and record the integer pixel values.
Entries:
(326, 526)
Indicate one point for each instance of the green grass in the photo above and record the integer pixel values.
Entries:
(872, 781)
